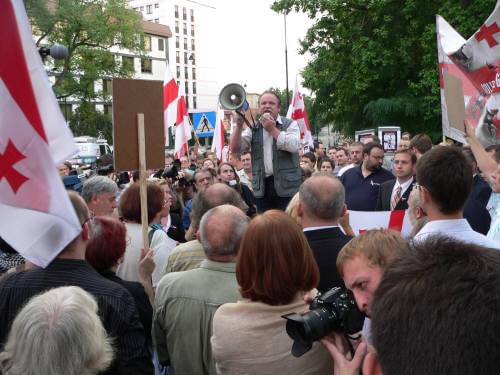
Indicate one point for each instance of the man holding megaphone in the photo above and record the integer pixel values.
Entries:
(274, 143)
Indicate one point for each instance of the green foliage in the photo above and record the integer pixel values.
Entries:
(374, 62)
(89, 29)
(86, 120)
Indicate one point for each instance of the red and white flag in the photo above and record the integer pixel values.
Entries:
(218, 140)
(476, 62)
(297, 111)
(362, 221)
(182, 126)
(37, 218)
(170, 97)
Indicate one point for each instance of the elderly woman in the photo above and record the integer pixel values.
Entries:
(105, 252)
(160, 242)
(274, 272)
(57, 332)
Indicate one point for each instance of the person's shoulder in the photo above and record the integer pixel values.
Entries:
(388, 183)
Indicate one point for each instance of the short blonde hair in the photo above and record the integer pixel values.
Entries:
(292, 208)
(57, 332)
(379, 246)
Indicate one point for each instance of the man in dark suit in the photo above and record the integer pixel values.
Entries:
(475, 206)
(321, 205)
(393, 195)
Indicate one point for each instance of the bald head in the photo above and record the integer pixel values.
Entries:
(322, 197)
(221, 230)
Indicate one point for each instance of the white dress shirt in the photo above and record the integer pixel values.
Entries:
(404, 186)
(288, 140)
(455, 228)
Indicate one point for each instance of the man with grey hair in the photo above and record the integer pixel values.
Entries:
(186, 302)
(321, 205)
(189, 255)
(117, 308)
(99, 192)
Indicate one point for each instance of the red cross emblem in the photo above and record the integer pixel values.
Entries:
(486, 33)
(8, 159)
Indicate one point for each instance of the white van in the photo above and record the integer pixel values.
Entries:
(90, 149)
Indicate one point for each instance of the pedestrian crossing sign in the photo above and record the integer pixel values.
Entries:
(204, 124)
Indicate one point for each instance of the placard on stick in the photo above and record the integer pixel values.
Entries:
(131, 97)
(455, 105)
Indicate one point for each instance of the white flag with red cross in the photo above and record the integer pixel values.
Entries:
(37, 218)
(170, 97)
(476, 62)
(398, 220)
(297, 111)
(182, 126)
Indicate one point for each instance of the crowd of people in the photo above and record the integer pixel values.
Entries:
(237, 244)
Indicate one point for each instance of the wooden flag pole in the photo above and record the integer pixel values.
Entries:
(142, 180)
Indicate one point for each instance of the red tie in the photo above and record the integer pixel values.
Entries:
(397, 197)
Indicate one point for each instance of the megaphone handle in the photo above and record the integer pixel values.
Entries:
(245, 119)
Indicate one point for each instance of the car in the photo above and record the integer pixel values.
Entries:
(90, 149)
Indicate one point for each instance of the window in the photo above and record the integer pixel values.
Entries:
(142, 9)
(192, 15)
(147, 42)
(107, 87)
(177, 42)
(186, 72)
(128, 62)
(184, 14)
(177, 57)
(192, 44)
(185, 43)
(193, 61)
(146, 65)
(177, 27)
(176, 11)
(186, 87)
(157, 5)
(67, 110)
(194, 102)
(149, 9)
(108, 109)
(185, 58)
(194, 87)
(187, 101)
(161, 44)
(178, 71)
(193, 73)
(178, 83)
(184, 28)
(192, 30)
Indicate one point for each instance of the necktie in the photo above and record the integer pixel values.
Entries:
(397, 197)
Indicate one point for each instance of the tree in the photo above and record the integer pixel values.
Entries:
(89, 29)
(375, 62)
(88, 121)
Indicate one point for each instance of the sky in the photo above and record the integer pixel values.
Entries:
(254, 44)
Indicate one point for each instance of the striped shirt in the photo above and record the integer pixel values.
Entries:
(117, 308)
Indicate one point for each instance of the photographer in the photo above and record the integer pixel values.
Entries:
(361, 264)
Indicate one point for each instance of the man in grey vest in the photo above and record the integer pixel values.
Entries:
(274, 142)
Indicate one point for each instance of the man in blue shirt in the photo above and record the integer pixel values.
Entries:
(362, 183)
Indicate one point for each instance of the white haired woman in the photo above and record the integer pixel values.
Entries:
(57, 332)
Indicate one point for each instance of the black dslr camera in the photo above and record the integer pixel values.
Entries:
(334, 310)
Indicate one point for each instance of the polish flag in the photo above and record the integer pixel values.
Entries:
(398, 220)
(297, 111)
(182, 127)
(218, 141)
(37, 218)
(170, 97)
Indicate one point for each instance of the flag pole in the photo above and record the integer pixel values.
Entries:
(286, 66)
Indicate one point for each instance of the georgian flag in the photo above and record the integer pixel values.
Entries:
(37, 218)
(297, 111)
(398, 220)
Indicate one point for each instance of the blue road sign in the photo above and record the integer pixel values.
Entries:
(204, 124)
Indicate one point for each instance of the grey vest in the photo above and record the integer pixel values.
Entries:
(286, 169)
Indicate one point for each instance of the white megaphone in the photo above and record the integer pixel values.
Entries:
(232, 97)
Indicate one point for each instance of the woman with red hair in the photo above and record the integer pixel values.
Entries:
(275, 270)
(105, 252)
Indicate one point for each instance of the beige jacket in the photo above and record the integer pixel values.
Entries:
(250, 338)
